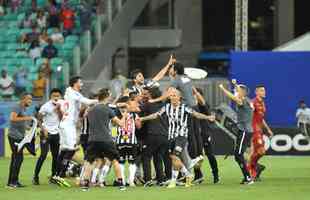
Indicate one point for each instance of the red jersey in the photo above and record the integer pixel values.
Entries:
(258, 115)
(68, 18)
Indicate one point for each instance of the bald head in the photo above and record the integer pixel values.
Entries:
(174, 96)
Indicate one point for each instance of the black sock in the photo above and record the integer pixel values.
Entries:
(198, 173)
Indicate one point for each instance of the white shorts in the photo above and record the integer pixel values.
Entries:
(68, 136)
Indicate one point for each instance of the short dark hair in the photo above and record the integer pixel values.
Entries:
(179, 68)
(155, 92)
(245, 88)
(24, 94)
(123, 99)
(134, 73)
(260, 86)
(132, 94)
(302, 102)
(73, 80)
(103, 94)
(55, 90)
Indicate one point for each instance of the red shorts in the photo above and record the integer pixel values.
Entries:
(258, 141)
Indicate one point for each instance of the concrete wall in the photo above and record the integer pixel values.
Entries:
(189, 19)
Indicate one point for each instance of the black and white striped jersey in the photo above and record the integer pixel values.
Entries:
(178, 118)
(127, 135)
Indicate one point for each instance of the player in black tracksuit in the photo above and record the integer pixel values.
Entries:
(156, 143)
(206, 128)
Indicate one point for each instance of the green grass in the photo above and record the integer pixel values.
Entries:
(286, 178)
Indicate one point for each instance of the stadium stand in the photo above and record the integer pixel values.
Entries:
(14, 47)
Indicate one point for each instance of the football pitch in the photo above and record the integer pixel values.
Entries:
(286, 178)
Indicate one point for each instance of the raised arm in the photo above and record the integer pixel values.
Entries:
(160, 75)
(201, 100)
(230, 95)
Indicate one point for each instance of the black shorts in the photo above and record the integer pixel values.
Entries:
(243, 142)
(177, 145)
(101, 150)
(127, 152)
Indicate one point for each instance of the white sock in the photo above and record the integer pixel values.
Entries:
(82, 173)
(94, 175)
(175, 174)
(185, 171)
(138, 171)
(104, 172)
(122, 166)
(132, 173)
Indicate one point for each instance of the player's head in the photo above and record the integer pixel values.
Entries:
(76, 83)
(104, 94)
(26, 99)
(137, 76)
(155, 92)
(242, 90)
(3, 73)
(174, 95)
(176, 69)
(302, 104)
(260, 91)
(55, 94)
(122, 104)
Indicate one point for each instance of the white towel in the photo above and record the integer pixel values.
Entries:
(28, 138)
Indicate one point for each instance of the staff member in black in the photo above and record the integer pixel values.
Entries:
(18, 119)
(156, 144)
(206, 128)
(49, 116)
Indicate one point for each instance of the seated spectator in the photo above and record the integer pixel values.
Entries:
(43, 37)
(20, 81)
(27, 21)
(41, 19)
(45, 69)
(34, 5)
(32, 36)
(6, 85)
(39, 86)
(67, 17)
(15, 4)
(85, 16)
(35, 50)
(53, 18)
(50, 51)
(64, 4)
(57, 36)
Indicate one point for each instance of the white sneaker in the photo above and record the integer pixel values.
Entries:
(195, 161)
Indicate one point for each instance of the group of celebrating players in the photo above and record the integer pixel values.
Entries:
(170, 128)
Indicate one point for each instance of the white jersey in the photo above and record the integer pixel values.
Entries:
(72, 104)
(50, 117)
(303, 115)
